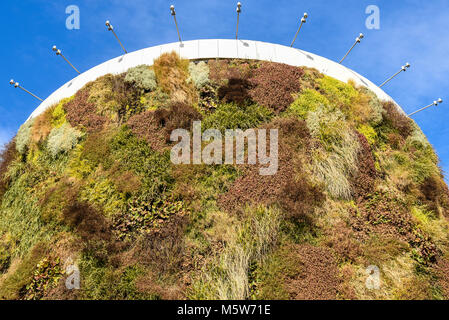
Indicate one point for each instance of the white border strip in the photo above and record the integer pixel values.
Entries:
(211, 49)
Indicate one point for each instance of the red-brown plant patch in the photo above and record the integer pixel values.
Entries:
(442, 271)
(364, 181)
(155, 127)
(342, 240)
(317, 277)
(145, 126)
(273, 85)
(80, 112)
(397, 119)
(382, 214)
(289, 187)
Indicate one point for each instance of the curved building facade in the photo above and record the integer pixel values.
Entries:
(213, 49)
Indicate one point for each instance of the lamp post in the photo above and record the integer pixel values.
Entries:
(59, 53)
(357, 40)
(435, 103)
(17, 85)
(111, 28)
(303, 20)
(239, 10)
(173, 13)
(403, 69)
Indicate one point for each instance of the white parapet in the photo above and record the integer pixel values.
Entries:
(212, 49)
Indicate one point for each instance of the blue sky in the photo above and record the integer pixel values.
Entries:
(410, 30)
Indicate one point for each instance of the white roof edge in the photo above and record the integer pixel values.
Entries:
(211, 49)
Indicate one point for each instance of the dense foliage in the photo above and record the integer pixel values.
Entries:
(89, 185)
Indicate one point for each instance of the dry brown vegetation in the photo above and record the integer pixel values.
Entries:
(42, 126)
(435, 194)
(172, 73)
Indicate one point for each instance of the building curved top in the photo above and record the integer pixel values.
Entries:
(211, 49)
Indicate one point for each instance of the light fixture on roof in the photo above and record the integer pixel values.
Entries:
(59, 53)
(17, 85)
(111, 28)
(173, 13)
(403, 69)
(435, 103)
(239, 10)
(357, 40)
(303, 20)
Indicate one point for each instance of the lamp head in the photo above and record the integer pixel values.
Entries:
(172, 9)
(440, 100)
(239, 7)
(16, 85)
(56, 50)
(109, 25)
(407, 65)
(11, 82)
(305, 15)
(361, 36)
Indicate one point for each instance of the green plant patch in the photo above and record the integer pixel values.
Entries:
(231, 116)
(58, 114)
(339, 93)
(308, 100)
